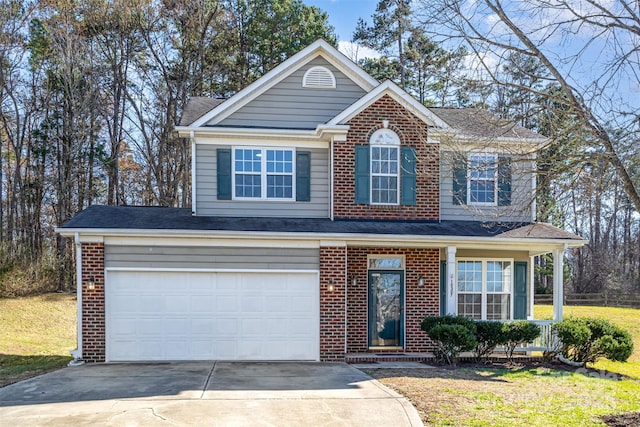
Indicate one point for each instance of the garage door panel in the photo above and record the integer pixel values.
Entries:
(226, 316)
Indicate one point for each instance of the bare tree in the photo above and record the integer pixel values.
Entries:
(564, 36)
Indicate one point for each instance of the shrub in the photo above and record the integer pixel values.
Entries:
(518, 332)
(450, 341)
(489, 335)
(451, 335)
(585, 340)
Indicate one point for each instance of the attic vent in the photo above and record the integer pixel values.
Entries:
(319, 78)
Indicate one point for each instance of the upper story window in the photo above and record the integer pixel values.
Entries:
(484, 289)
(319, 78)
(385, 171)
(482, 180)
(385, 167)
(263, 173)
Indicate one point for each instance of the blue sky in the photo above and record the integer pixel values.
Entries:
(343, 14)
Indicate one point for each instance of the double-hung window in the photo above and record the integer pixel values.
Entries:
(385, 168)
(484, 289)
(263, 173)
(482, 180)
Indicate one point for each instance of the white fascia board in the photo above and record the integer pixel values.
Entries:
(467, 242)
(216, 135)
(399, 95)
(209, 242)
(280, 72)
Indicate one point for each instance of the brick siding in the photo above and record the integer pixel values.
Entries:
(333, 262)
(419, 301)
(412, 132)
(93, 315)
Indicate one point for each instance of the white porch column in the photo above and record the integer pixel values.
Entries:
(532, 288)
(452, 289)
(558, 283)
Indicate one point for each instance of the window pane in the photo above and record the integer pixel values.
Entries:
(247, 185)
(498, 307)
(247, 160)
(498, 276)
(385, 263)
(482, 191)
(469, 276)
(470, 305)
(279, 186)
(384, 189)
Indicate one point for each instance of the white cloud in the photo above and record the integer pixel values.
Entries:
(355, 52)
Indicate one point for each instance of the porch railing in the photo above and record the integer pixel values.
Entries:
(545, 341)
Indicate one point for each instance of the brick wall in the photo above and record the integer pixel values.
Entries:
(419, 301)
(332, 303)
(412, 132)
(93, 316)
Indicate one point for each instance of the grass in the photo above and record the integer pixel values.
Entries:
(36, 336)
(505, 397)
(627, 318)
(530, 395)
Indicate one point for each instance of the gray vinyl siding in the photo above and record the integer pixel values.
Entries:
(290, 106)
(211, 257)
(207, 203)
(521, 195)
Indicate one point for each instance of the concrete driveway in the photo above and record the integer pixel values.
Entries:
(205, 393)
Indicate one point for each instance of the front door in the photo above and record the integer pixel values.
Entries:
(386, 308)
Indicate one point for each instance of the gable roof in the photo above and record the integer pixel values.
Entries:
(399, 95)
(476, 122)
(318, 48)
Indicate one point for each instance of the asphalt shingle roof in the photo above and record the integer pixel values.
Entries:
(198, 106)
(483, 123)
(161, 218)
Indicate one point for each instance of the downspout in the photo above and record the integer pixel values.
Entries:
(77, 353)
(346, 285)
(331, 179)
(193, 172)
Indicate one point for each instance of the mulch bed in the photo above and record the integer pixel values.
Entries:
(622, 420)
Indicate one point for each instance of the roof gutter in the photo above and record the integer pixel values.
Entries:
(364, 239)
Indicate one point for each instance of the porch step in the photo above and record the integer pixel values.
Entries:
(388, 357)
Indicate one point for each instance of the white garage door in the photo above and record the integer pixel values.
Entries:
(205, 316)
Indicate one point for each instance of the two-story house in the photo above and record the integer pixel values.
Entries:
(331, 213)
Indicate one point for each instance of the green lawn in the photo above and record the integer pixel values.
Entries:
(36, 336)
(627, 318)
(529, 395)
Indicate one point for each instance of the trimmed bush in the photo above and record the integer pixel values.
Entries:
(489, 335)
(585, 340)
(451, 340)
(451, 335)
(518, 332)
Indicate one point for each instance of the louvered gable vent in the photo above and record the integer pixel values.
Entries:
(319, 78)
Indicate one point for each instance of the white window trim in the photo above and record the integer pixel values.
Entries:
(484, 293)
(263, 174)
(384, 138)
(495, 180)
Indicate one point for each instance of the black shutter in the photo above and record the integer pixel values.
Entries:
(408, 176)
(303, 176)
(504, 181)
(459, 180)
(224, 173)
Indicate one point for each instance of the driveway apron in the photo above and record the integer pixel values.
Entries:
(205, 393)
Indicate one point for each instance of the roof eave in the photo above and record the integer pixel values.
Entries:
(353, 238)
